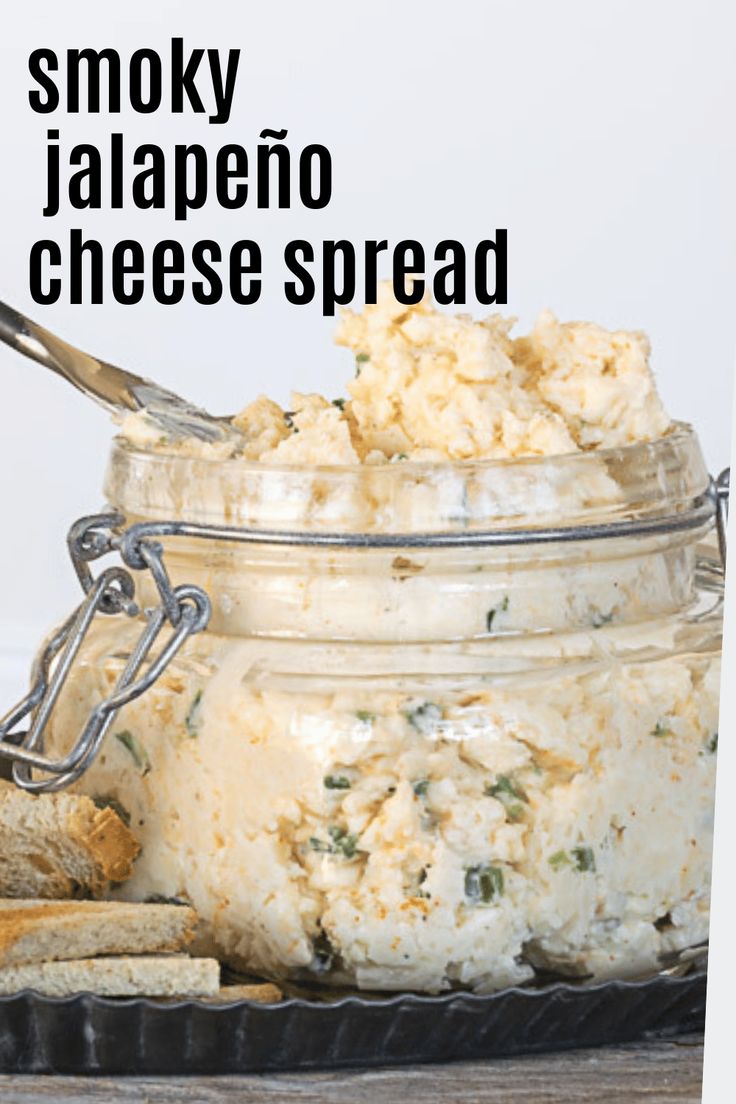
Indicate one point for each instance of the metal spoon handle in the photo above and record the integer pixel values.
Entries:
(112, 387)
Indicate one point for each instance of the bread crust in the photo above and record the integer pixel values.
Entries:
(38, 931)
(110, 843)
(120, 976)
(61, 845)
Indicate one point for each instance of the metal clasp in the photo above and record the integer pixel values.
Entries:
(721, 493)
(185, 608)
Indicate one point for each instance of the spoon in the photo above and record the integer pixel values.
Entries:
(115, 389)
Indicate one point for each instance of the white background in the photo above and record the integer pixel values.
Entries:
(600, 134)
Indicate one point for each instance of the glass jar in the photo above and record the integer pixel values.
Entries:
(411, 762)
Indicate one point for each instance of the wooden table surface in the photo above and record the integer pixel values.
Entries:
(657, 1073)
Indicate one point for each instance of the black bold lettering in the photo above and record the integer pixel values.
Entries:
(155, 176)
(203, 266)
(121, 268)
(291, 252)
(331, 296)
(145, 104)
(403, 267)
(223, 89)
(85, 186)
(283, 170)
(372, 249)
(52, 176)
(449, 281)
(500, 284)
(77, 250)
(183, 78)
(309, 197)
(161, 268)
(36, 272)
(93, 60)
(239, 268)
(224, 174)
(43, 107)
(117, 171)
(184, 199)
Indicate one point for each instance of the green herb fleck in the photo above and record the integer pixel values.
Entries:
(192, 717)
(598, 620)
(581, 858)
(341, 842)
(320, 846)
(491, 615)
(365, 716)
(361, 358)
(504, 787)
(713, 743)
(584, 859)
(339, 403)
(483, 884)
(397, 456)
(510, 794)
(107, 801)
(662, 728)
(420, 788)
(559, 860)
(425, 718)
(135, 749)
(337, 782)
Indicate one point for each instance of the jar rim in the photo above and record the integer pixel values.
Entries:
(679, 433)
(659, 478)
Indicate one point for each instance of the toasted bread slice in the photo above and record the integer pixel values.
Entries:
(130, 976)
(39, 931)
(60, 845)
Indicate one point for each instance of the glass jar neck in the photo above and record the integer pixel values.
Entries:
(427, 594)
(658, 478)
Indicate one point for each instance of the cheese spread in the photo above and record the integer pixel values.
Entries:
(418, 768)
(429, 386)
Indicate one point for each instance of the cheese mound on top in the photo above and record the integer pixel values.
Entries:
(434, 387)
